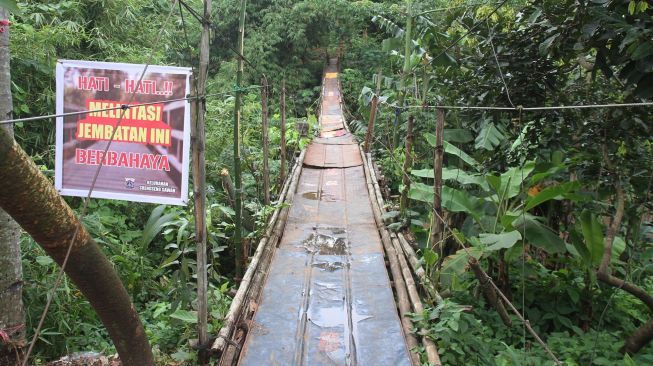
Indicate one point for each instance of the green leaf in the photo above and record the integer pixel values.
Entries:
(593, 236)
(452, 199)
(628, 361)
(390, 215)
(544, 46)
(10, 5)
(391, 44)
(578, 248)
(489, 137)
(182, 356)
(644, 49)
(185, 316)
(539, 235)
(508, 185)
(500, 241)
(553, 192)
(618, 247)
(645, 87)
(155, 224)
(457, 135)
(458, 263)
(445, 59)
(44, 260)
(430, 257)
(457, 175)
(453, 150)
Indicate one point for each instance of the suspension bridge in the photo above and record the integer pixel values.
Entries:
(325, 296)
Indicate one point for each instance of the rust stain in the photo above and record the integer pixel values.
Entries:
(329, 342)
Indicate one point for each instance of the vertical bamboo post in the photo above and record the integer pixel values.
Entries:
(199, 187)
(239, 183)
(408, 163)
(436, 225)
(408, 49)
(370, 124)
(266, 141)
(282, 171)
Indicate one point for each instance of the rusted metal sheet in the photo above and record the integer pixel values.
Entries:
(337, 133)
(332, 156)
(344, 139)
(327, 299)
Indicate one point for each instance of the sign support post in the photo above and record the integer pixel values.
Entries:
(199, 184)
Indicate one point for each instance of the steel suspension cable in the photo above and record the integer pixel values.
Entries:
(121, 107)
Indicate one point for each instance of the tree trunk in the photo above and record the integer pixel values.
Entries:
(408, 163)
(282, 168)
(644, 334)
(29, 197)
(266, 141)
(199, 192)
(12, 316)
(438, 161)
(370, 124)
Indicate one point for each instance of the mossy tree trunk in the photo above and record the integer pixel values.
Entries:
(30, 198)
(12, 316)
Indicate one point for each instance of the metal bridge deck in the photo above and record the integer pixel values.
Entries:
(327, 299)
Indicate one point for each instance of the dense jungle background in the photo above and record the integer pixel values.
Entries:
(537, 195)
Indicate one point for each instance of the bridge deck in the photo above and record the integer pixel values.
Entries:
(327, 299)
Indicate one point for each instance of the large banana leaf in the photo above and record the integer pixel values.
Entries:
(539, 234)
(508, 185)
(457, 175)
(453, 150)
(555, 192)
(593, 235)
(490, 137)
(10, 5)
(452, 199)
(500, 241)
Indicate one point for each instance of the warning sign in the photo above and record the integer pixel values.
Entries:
(143, 142)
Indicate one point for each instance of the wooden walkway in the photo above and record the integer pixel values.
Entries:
(327, 298)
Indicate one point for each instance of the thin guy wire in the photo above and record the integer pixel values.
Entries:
(501, 74)
(469, 31)
(453, 7)
(122, 106)
(88, 198)
(551, 108)
(203, 20)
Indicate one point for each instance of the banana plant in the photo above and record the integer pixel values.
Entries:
(500, 208)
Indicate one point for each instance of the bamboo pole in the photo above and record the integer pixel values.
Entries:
(237, 173)
(408, 162)
(418, 308)
(400, 285)
(265, 245)
(282, 171)
(266, 142)
(436, 225)
(429, 345)
(488, 291)
(424, 280)
(370, 123)
(199, 194)
(431, 350)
